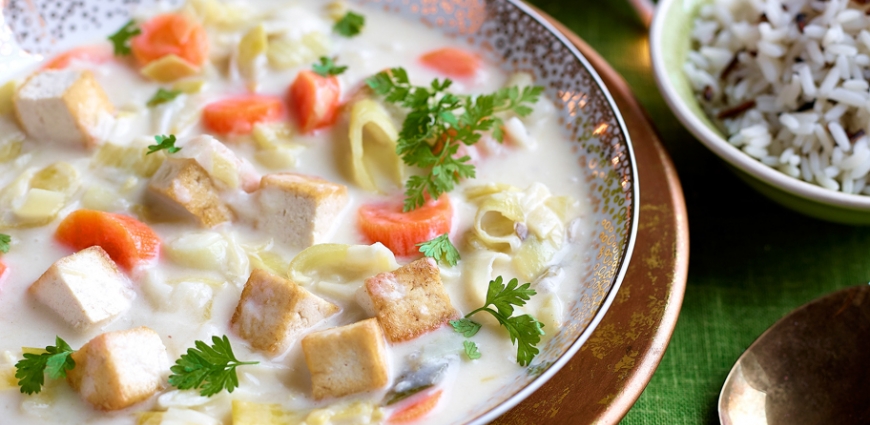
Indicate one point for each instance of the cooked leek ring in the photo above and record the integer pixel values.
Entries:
(550, 313)
(7, 93)
(286, 53)
(168, 69)
(204, 251)
(496, 220)
(534, 256)
(8, 380)
(10, 147)
(369, 118)
(58, 177)
(251, 48)
(479, 191)
(478, 271)
(355, 413)
(219, 14)
(253, 413)
(341, 263)
(131, 158)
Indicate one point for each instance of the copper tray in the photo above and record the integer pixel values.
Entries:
(601, 383)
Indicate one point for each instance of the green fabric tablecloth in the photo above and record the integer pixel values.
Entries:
(751, 261)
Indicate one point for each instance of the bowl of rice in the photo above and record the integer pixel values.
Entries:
(779, 89)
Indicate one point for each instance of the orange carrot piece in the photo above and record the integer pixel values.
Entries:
(127, 240)
(97, 54)
(452, 62)
(3, 270)
(238, 115)
(314, 100)
(416, 410)
(402, 231)
(170, 34)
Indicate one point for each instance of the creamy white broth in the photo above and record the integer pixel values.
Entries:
(196, 311)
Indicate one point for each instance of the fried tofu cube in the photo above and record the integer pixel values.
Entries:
(273, 311)
(410, 300)
(299, 210)
(119, 369)
(66, 106)
(184, 183)
(347, 359)
(85, 288)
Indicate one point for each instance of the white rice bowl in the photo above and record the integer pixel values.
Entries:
(787, 82)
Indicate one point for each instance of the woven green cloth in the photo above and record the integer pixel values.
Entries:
(751, 261)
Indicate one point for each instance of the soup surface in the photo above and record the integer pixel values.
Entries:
(238, 88)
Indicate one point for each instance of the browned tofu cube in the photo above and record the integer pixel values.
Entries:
(346, 360)
(119, 369)
(273, 311)
(410, 300)
(182, 182)
(299, 210)
(66, 106)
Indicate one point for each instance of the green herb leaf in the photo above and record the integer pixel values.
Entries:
(350, 25)
(441, 249)
(121, 39)
(210, 369)
(5, 243)
(163, 96)
(328, 68)
(524, 330)
(163, 143)
(467, 327)
(438, 123)
(471, 350)
(31, 370)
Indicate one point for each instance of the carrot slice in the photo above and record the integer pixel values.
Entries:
(3, 270)
(416, 410)
(98, 53)
(170, 34)
(127, 240)
(402, 231)
(452, 62)
(314, 100)
(238, 115)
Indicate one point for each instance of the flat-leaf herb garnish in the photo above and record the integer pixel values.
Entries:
(121, 39)
(5, 243)
(328, 68)
(163, 96)
(55, 361)
(524, 330)
(440, 249)
(439, 122)
(210, 369)
(350, 24)
(166, 143)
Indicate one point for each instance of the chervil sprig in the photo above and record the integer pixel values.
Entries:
(350, 25)
(5, 243)
(162, 96)
(441, 249)
(524, 330)
(121, 39)
(163, 143)
(210, 369)
(327, 67)
(471, 350)
(439, 122)
(55, 361)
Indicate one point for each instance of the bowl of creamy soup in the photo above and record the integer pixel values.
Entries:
(287, 212)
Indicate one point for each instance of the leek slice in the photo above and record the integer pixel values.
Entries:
(252, 48)
(253, 413)
(58, 177)
(341, 263)
(284, 53)
(7, 93)
(130, 158)
(168, 69)
(368, 118)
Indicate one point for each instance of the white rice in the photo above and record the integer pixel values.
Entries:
(787, 80)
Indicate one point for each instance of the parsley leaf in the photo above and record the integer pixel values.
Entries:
(350, 25)
(162, 96)
(5, 243)
(439, 122)
(210, 369)
(55, 361)
(328, 68)
(163, 142)
(121, 39)
(471, 350)
(467, 327)
(524, 330)
(440, 249)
